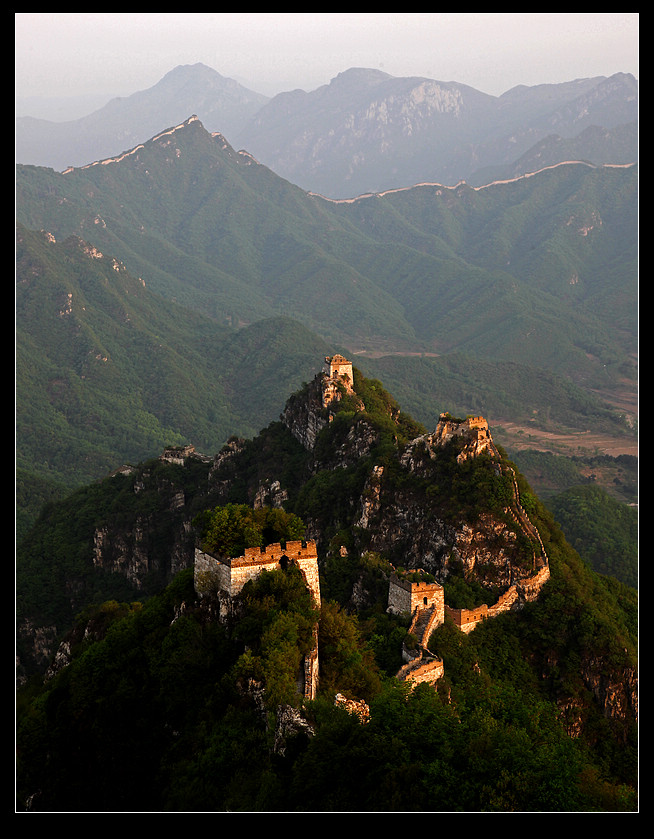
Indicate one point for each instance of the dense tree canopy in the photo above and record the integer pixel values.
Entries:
(231, 528)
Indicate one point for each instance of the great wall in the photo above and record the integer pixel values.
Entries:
(225, 577)
(423, 601)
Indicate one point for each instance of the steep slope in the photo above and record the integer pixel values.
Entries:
(108, 372)
(223, 105)
(549, 679)
(568, 240)
(213, 229)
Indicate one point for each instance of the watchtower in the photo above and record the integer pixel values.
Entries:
(337, 367)
(408, 596)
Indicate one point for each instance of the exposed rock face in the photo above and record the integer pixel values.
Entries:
(309, 412)
(371, 498)
(617, 699)
(289, 724)
(305, 416)
(614, 691)
(416, 537)
(485, 552)
(348, 451)
(473, 430)
(41, 642)
(130, 553)
(270, 494)
(402, 527)
(357, 707)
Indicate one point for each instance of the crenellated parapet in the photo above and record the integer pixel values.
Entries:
(228, 575)
(524, 591)
(225, 577)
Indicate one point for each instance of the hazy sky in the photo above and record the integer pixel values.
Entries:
(65, 54)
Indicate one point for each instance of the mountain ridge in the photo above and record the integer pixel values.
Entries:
(127, 121)
(412, 130)
(294, 201)
(251, 121)
(209, 228)
(193, 118)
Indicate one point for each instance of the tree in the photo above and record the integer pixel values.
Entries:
(228, 530)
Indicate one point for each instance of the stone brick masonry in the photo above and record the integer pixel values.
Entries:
(226, 576)
(230, 574)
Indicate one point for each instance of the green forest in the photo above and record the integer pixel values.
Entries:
(165, 708)
(156, 715)
(180, 301)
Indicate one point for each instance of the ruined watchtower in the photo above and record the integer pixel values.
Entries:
(336, 371)
(224, 578)
(338, 368)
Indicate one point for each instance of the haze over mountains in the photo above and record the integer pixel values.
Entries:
(539, 273)
(173, 291)
(516, 300)
(366, 131)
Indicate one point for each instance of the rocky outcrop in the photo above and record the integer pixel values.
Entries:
(305, 415)
(617, 699)
(308, 413)
(472, 431)
(289, 725)
(39, 643)
(357, 707)
(401, 526)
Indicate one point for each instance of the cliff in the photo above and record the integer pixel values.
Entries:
(380, 496)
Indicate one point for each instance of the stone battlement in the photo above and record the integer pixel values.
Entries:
(228, 575)
(275, 553)
(225, 578)
(524, 591)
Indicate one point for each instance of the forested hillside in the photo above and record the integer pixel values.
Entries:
(492, 271)
(159, 705)
(177, 306)
(517, 301)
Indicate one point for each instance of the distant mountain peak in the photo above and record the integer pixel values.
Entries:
(359, 75)
(198, 72)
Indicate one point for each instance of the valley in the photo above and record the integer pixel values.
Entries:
(580, 443)
(437, 384)
(517, 436)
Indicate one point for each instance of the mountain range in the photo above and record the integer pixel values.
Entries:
(365, 131)
(538, 273)
(174, 294)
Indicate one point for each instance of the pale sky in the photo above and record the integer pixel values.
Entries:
(64, 54)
